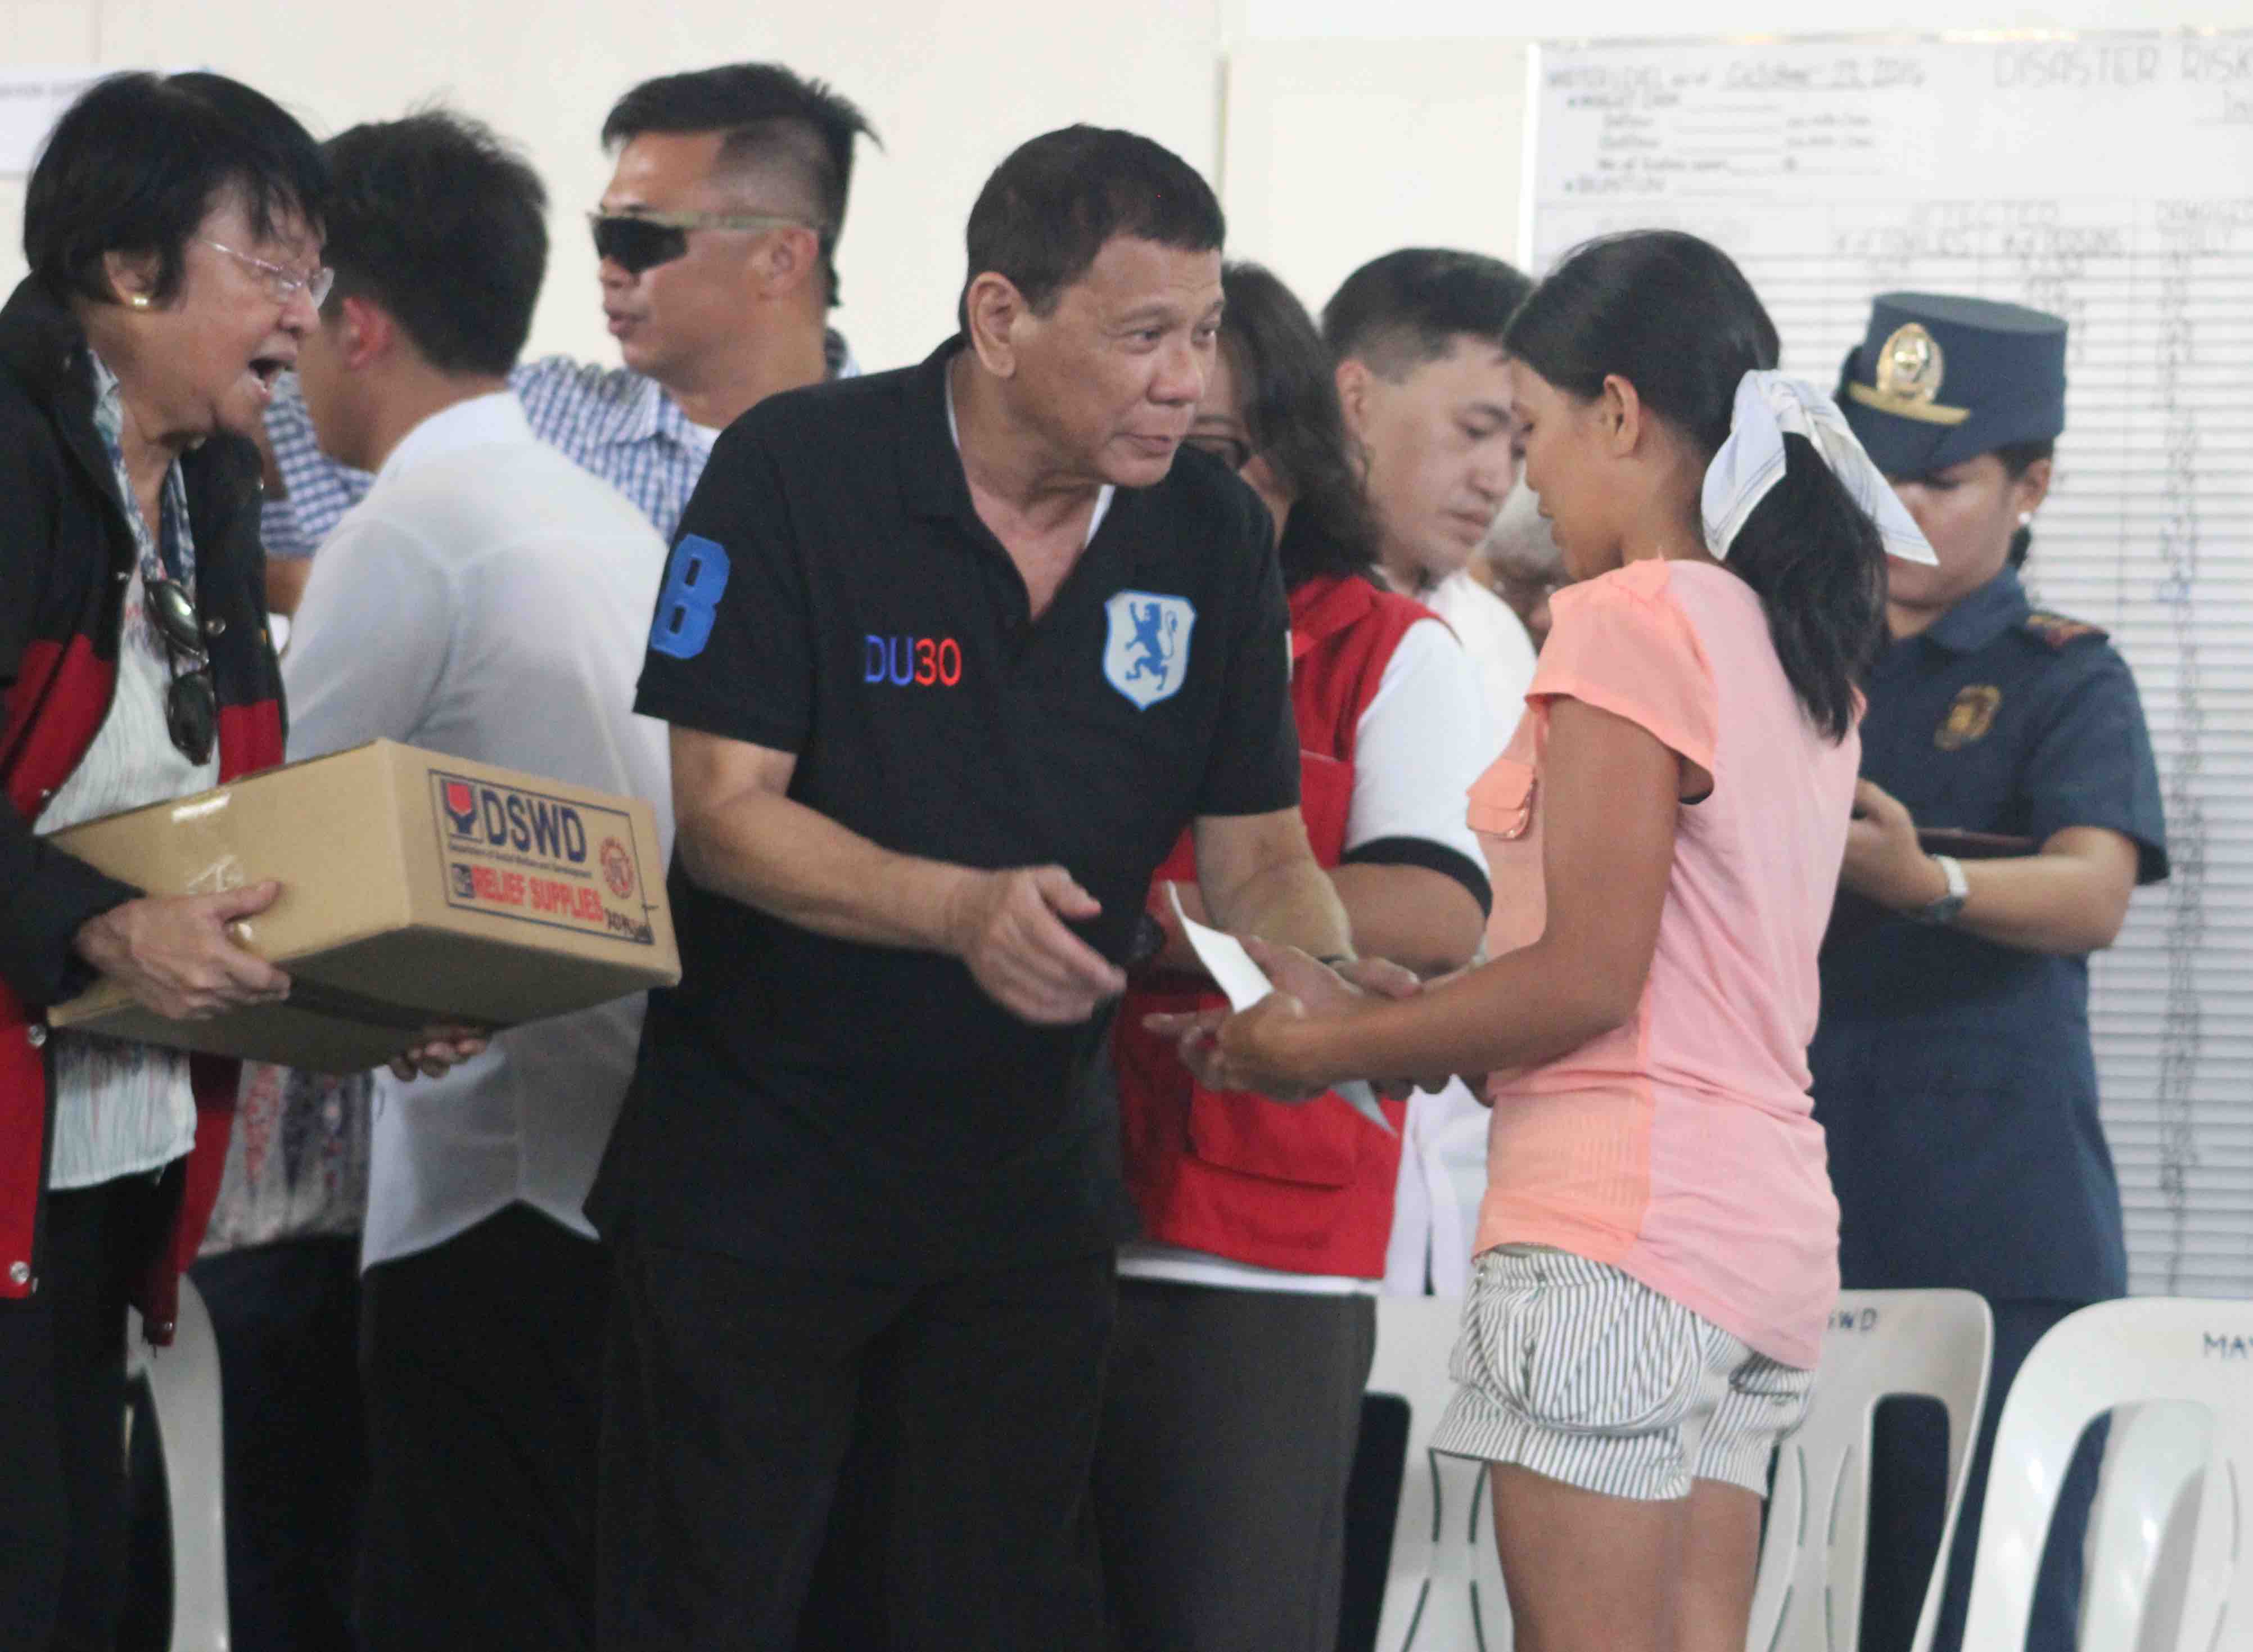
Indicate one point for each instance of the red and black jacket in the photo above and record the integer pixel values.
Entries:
(1305, 1190)
(66, 552)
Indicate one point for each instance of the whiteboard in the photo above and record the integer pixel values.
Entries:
(2107, 178)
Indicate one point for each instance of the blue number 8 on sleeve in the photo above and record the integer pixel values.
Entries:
(693, 583)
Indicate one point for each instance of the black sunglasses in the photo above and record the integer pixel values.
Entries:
(636, 241)
(192, 703)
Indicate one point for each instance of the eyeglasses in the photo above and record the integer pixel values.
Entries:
(192, 703)
(283, 284)
(636, 241)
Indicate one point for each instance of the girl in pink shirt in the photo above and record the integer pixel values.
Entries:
(1658, 1241)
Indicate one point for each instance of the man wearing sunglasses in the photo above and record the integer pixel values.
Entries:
(717, 237)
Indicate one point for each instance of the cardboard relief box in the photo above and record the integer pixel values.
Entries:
(417, 888)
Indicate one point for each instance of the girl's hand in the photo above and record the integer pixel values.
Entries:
(1255, 1050)
(1324, 989)
(1264, 1049)
(1243, 1052)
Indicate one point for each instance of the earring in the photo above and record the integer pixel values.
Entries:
(2025, 519)
(139, 301)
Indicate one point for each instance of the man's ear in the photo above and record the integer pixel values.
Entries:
(787, 259)
(1356, 386)
(364, 330)
(998, 315)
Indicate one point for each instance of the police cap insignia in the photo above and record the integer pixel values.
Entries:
(1970, 717)
(2057, 631)
(1911, 366)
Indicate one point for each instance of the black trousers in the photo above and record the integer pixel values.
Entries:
(481, 1363)
(62, 1413)
(1908, 1488)
(286, 1317)
(1230, 1420)
(734, 1393)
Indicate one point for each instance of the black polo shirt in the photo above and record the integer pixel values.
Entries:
(832, 1105)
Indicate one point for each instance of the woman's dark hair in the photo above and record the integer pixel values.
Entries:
(1672, 316)
(1291, 412)
(2017, 458)
(140, 160)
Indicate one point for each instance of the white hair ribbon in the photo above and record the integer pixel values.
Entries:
(1768, 407)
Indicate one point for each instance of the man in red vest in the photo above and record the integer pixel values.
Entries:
(1246, 1318)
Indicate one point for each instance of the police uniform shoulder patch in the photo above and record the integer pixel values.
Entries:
(2057, 631)
(1969, 716)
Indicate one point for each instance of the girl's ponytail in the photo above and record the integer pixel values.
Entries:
(1819, 565)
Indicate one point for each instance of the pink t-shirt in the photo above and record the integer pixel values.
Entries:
(1681, 1148)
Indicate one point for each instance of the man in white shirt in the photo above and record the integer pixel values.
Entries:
(487, 599)
(1424, 386)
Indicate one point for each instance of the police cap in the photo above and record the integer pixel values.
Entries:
(1939, 380)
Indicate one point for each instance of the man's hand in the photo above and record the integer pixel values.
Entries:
(438, 1050)
(174, 954)
(1009, 928)
(1884, 861)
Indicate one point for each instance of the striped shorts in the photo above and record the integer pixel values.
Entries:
(1574, 1370)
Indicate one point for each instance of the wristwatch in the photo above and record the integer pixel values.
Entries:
(1942, 913)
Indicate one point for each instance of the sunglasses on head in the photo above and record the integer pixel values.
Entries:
(192, 703)
(636, 241)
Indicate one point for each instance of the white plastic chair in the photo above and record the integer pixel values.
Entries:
(1443, 1589)
(184, 1392)
(2123, 1353)
(2140, 1531)
(1879, 1343)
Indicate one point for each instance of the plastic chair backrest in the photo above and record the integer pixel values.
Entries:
(184, 1391)
(1443, 1588)
(2140, 1531)
(2123, 1353)
(1879, 1343)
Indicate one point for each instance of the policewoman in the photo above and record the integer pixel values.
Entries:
(1952, 1068)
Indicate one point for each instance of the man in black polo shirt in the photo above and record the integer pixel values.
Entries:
(950, 655)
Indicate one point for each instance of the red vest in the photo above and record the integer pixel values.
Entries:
(1305, 1189)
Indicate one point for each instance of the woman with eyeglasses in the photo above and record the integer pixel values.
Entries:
(1246, 1320)
(172, 226)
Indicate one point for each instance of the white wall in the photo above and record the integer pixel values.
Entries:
(951, 85)
(1355, 126)
(1352, 126)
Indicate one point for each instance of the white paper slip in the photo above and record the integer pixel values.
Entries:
(1246, 984)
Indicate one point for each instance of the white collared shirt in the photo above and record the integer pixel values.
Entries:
(489, 599)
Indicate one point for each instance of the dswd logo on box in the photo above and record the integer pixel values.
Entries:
(502, 817)
(524, 855)
(461, 807)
